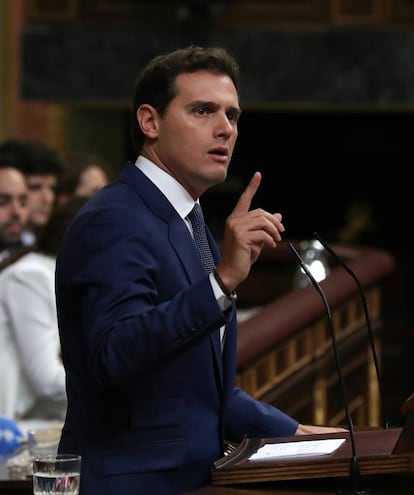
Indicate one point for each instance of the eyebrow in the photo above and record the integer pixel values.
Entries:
(236, 110)
(213, 104)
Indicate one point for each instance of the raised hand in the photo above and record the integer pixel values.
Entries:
(246, 233)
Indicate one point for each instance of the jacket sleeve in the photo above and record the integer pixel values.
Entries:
(247, 416)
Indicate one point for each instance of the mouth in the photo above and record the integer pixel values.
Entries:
(14, 228)
(220, 153)
(42, 215)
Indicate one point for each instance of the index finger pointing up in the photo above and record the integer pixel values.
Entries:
(245, 199)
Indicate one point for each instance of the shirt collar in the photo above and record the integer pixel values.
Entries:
(170, 187)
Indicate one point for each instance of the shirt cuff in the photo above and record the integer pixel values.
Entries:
(222, 300)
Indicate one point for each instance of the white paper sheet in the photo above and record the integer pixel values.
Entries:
(301, 448)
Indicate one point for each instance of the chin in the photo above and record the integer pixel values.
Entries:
(221, 174)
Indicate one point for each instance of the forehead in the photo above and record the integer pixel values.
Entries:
(206, 85)
(41, 179)
(93, 171)
(12, 181)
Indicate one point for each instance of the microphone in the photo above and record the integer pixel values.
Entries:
(355, 475)
(367, 320)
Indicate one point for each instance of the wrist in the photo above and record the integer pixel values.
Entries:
(231, 294)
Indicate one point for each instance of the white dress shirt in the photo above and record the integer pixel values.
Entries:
(183, 204)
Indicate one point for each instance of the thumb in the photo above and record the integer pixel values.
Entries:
(245, 199)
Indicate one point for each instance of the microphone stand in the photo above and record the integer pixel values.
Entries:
(367, 320)
(355, 474)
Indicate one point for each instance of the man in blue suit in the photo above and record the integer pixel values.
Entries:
(148, 337)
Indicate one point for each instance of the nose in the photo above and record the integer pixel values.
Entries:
(48, 195)
(225, 127)
(18, 210)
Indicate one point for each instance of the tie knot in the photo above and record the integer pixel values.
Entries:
(196, 216)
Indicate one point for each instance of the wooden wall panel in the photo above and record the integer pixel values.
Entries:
(358, 12)
(279, 13)
(401, 12)
(53, 10)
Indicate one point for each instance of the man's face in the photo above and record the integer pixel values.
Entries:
(195, 138)
(42, 193)
(13, 206)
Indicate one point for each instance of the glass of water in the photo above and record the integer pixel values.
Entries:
(55, 474)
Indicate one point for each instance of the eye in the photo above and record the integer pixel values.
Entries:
(200, 110)
(232, 116)
(34, 187)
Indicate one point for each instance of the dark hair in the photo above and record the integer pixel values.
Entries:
(60, 219)
(156, 83)
(30, 157)
(75, 163)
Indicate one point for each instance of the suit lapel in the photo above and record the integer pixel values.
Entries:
(179, 237)
(183, 244)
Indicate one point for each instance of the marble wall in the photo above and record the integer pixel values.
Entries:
(347, 66)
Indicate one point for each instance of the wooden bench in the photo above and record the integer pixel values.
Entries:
(285, 352)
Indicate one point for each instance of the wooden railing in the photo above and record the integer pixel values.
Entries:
(285, 352)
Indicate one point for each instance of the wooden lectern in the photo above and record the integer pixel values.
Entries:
(379, 451)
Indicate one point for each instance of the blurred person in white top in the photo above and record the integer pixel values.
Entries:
(32, 384)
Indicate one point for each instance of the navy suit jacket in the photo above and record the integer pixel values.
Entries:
(151, 396)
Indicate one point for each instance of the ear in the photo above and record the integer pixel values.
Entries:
(147, 118)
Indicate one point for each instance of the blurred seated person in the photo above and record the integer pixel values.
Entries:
(84, 175)
(13, 210)
(42, 168)
(32, 384)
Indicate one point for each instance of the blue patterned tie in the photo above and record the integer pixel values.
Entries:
(197, 222)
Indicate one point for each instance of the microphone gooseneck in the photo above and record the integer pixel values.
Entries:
(367, 320)
(355, 475)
